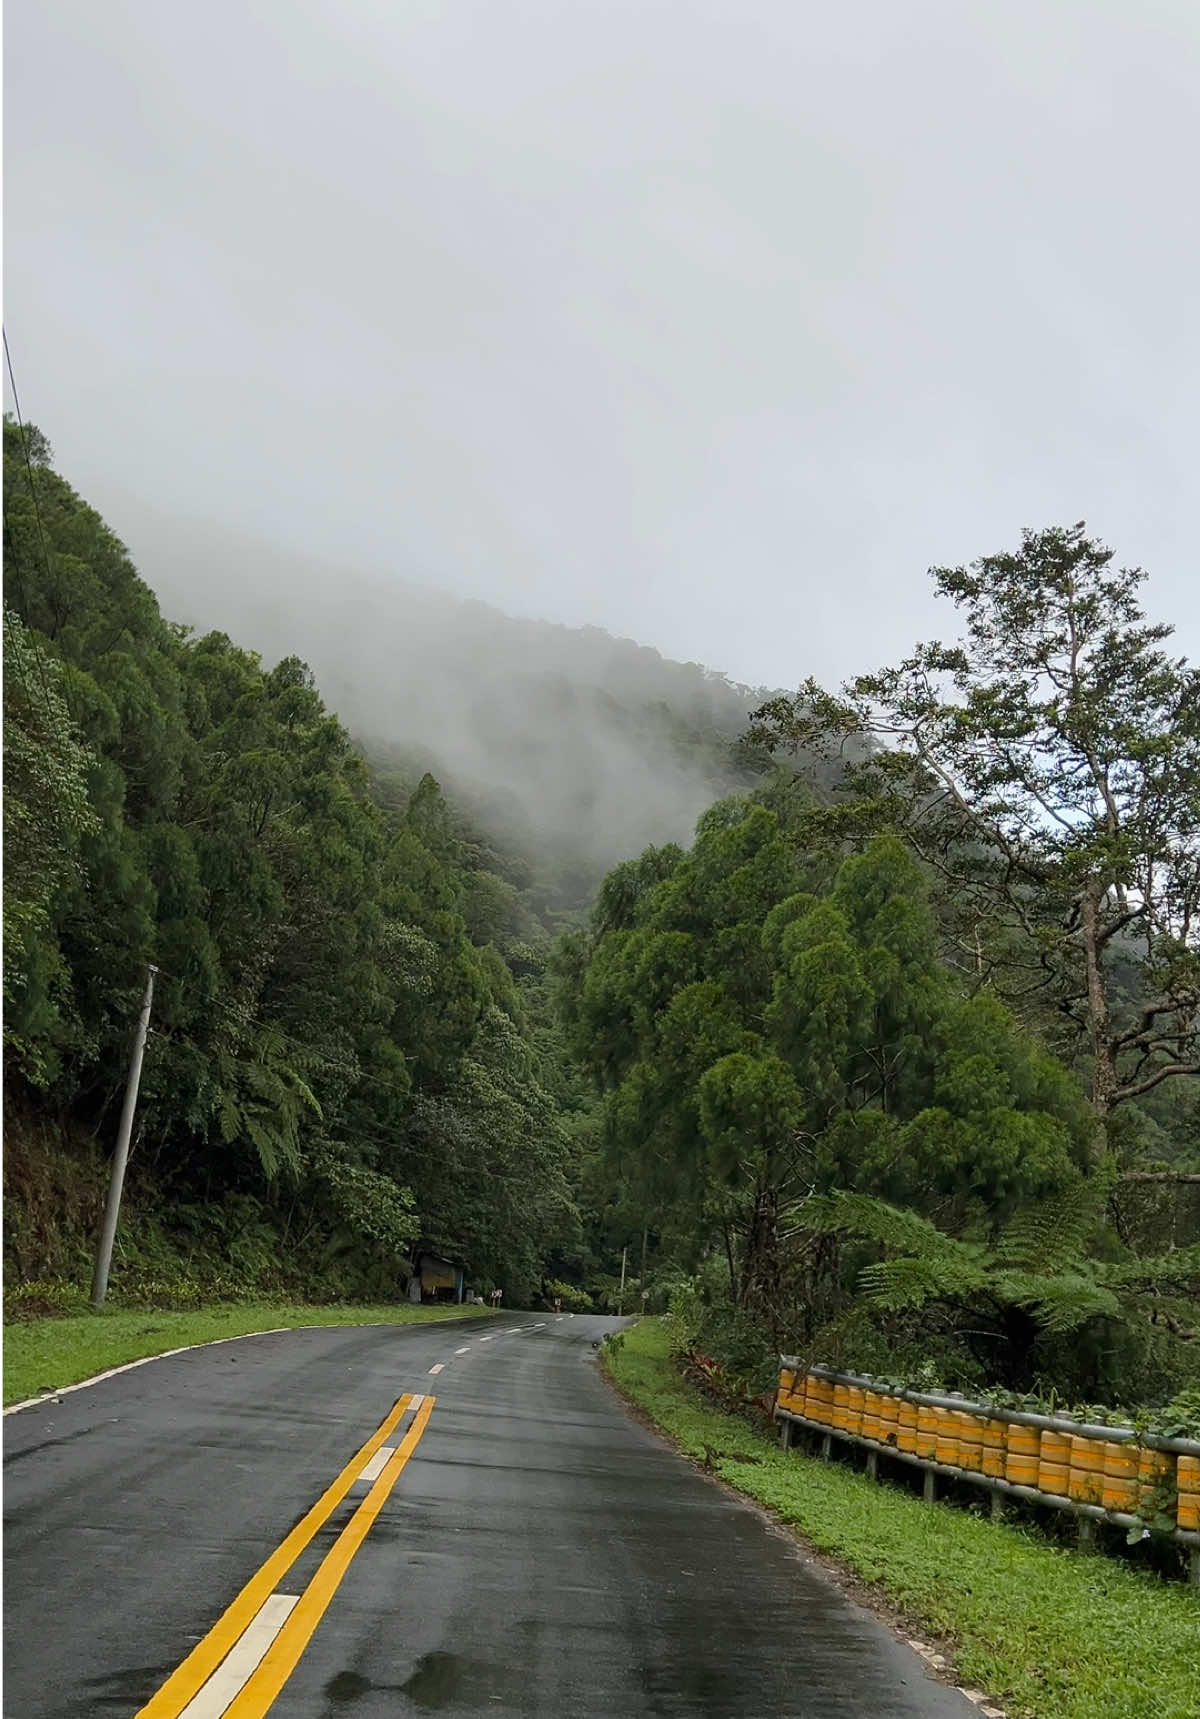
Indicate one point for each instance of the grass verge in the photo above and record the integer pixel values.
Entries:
(46, 1354)
(1047, 1633)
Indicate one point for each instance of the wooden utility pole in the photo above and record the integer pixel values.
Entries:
(116, 1181)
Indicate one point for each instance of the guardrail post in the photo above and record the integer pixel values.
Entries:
(1086, 1528)
(785, 1433)
(1194, 1567)
(930, 1492)
(997, 1507)
(826, 1447)
(872, 1465)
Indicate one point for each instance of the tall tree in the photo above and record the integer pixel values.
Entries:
(46, 812)
(1047, 765)
(336, 1035)
(758, 1040)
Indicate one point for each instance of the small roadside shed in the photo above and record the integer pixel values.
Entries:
(436, 1277)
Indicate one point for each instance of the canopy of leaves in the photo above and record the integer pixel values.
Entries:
(336, 1023)
(1046, 765)
(769, 1027)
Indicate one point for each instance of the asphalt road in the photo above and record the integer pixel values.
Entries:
(531, 1550)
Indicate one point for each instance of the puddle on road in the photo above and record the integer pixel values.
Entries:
(347, 1686)
(439, 1680)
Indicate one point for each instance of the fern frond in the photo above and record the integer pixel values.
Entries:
(229, 1118)
(1053, 1236)
(1181, 1267)
(897, 1284)
(875, 1220)
(1059, 1304)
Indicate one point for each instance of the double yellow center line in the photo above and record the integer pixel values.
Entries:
(277, 1664)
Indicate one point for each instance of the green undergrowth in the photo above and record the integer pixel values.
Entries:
(46, 1354)
(1047, 1633)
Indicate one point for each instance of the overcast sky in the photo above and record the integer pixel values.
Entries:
(712, 324)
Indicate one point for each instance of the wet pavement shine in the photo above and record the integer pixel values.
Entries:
(540, 1554)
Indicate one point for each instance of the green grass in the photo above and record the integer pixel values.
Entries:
(50, 1353)
(1047, 1633)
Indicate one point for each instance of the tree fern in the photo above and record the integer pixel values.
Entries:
(843, 1213)
(1053, 1235)
(910, 1282)
(1180, 1269)
(1039, 1264)
(1058, 1304)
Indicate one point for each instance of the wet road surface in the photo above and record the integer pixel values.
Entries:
(528, 1551)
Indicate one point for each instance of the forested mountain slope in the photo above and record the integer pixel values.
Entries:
(766, 1064)
(343, 1060)
(579, 747)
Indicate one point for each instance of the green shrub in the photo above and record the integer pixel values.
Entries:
(573, 1299)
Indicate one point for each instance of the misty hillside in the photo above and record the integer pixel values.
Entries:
(567, 740)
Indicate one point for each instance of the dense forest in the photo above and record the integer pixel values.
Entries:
(911, 1067)
(574, 747)
(891, 1059)
(351, 1050)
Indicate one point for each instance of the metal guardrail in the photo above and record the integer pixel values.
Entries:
(1163, 1476)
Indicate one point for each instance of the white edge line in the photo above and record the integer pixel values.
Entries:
(209, 1343)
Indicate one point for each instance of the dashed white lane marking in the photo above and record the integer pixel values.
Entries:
(215, 1696)
(438, 1367)
(558, 1318)
(509, 1329)
(378, 1462)
(414, 1405)
(465, 1350)
(488, 1338)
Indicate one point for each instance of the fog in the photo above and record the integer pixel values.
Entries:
(714, 325)
(555, 737)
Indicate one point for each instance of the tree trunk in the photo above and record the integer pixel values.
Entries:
(733, 1287)
(760, 1268)
(1104, 1073)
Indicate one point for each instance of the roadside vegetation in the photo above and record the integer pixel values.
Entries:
(46, 1354)
(353, 1047)
(351, 1052)
(1046, 1633)
(902, 1077)
(893, 1066)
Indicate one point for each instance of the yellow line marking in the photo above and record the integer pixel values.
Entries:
(258, 1693)
(236, 1667)
(170, 1701)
